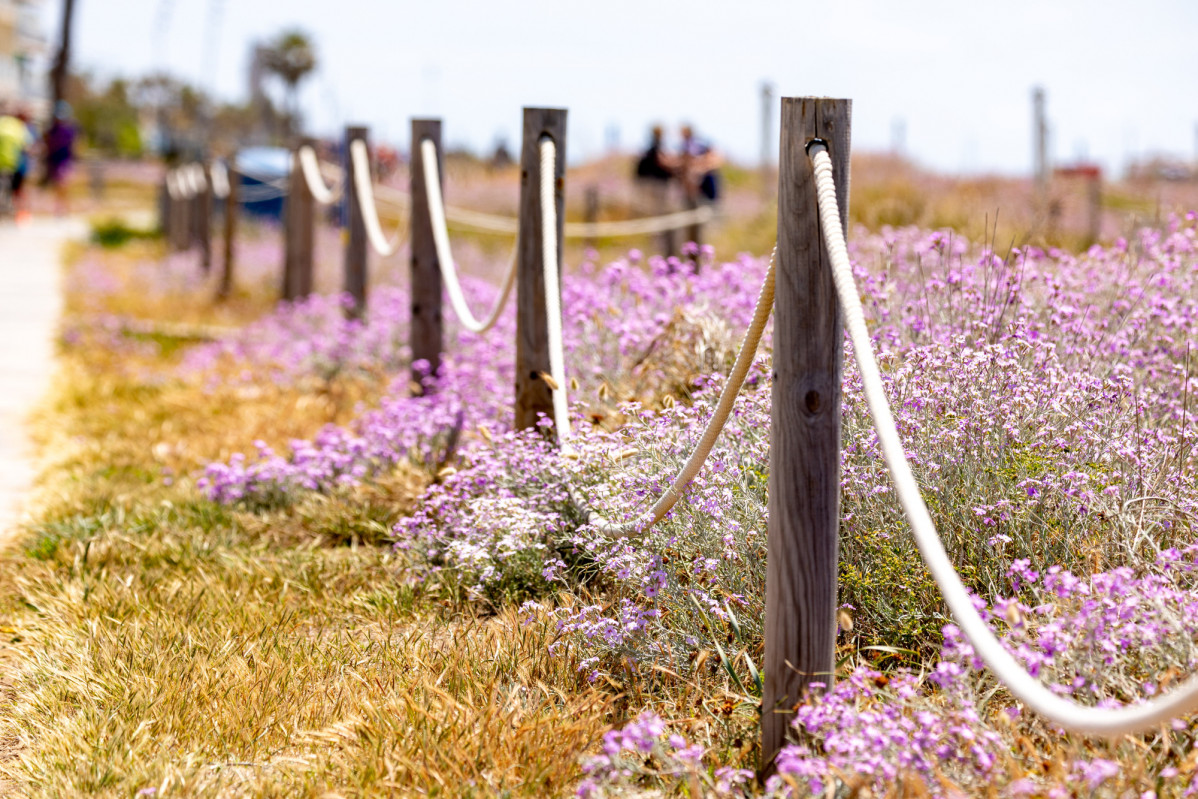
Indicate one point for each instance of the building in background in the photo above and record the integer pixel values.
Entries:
(24, 49)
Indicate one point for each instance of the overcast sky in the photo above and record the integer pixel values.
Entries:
(956, 75)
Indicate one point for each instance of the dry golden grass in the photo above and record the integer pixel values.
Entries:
(153, 639)
(159, 640)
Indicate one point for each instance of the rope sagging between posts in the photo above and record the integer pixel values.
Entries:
(715, 425)
(436, 213)
(360, 164)
(173, 189)
(219, 178)
(637, 227)
(310, 168)
(1110, 722)
(510, 226)
(561, 419)
(194, 174)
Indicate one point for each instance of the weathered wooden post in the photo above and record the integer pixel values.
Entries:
(590, 210)
(425, 334)
(232, 208)
(804, 481)
(1094, 206)
(533, 396)
(180, 207)
(299, 231)
(204, 216)
(198, 184)
(355, 240)
(164, 207)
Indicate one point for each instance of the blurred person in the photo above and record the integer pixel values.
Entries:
(15, 141)
(59, 143)
(699, 165)
(656, 170)
(20, 179)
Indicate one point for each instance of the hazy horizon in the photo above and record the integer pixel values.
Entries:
(957, 79)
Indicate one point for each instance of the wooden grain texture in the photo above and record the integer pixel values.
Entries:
(590, 210)
(804, 481)
(180, 224)
(232, 208)
(164, 211)
(426, 333)
(533, 396)
(193, 217)
(204, 219)
(299, 232)
(355, 239)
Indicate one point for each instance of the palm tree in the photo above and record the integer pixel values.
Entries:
(291, 56)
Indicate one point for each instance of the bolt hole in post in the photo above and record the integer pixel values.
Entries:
(811, 400)
(804, 479)
(816, 142)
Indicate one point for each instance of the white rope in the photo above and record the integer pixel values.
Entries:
(715, 425)
(173, 189)
(553, 313)
(258, 194)
(360, 164)
(194, 174)
(389, 195)
(510, 226)
(219, 176)
(436, 213)
(553, 293)
(185, 187)
(1110, 722)
(310, 167)
(486, 223)
(639, 227)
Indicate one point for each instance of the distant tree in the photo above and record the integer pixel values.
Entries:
(292, 57)
(62, 58)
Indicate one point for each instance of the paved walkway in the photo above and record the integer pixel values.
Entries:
(30, 302)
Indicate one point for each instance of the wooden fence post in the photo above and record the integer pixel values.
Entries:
(204, 218)
(180, 216)
(533, 396)
(195, 209)
(804, 481)
(299, 231)
(232, 207)
(425, 334)
(164, 210)
(355, 240)
(590, 210)
(1093, 208)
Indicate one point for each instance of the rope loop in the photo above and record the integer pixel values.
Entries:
(218, 174)
(1109, 722)
(449, 273)
(360, 165)
(715, 425)
(310, 169)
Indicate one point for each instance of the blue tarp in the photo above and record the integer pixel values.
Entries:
(262, 173)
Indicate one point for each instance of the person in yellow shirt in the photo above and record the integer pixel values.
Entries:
(15, 141)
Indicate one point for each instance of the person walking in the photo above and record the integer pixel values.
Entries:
(656, 170)
(15, 141)
(60, 155)
(698, 169)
